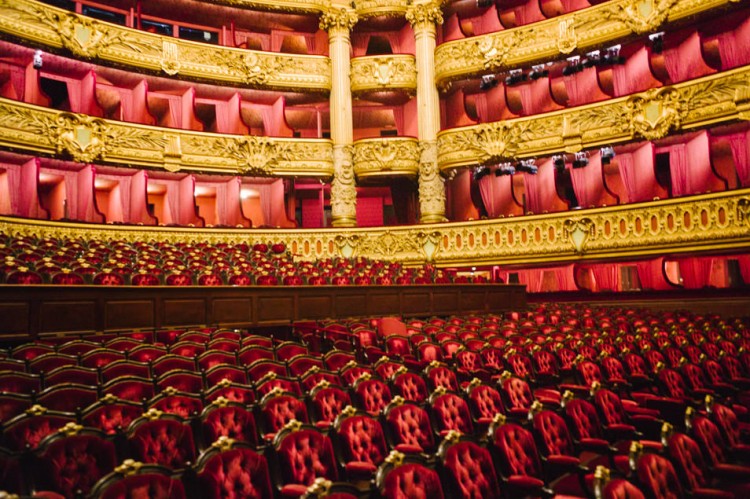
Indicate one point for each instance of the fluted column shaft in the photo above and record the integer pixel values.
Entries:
(424, 18)
(338, 21)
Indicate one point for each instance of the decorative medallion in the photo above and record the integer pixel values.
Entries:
(652, 114)
(579, 231)
(83, 138)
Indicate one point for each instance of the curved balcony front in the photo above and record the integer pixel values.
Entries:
(384, 74)
(386, 157)
(85, 38)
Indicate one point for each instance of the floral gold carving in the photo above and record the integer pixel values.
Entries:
(343, 188)
(381, 72)
(378, 8)
(341, 18)
(255, 155)
(80, 137)
(642, 16)
(424, 13)
(431, 185)
(567, 40)
(386, 157)
(578, 232)
(170, 60)
(654, 113)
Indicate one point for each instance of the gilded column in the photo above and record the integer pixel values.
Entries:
(338, 21)
(424, 18)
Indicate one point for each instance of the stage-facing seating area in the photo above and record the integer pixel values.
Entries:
(556, 400)
(47, 260)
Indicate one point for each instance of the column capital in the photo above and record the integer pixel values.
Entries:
(425, 13)
(339, 17)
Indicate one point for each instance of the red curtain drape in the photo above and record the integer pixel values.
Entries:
(744, 263)
(532, 278)
(637, 173)
(738, 142)
(588, 182)
(690, 166)
(695, 271)
(684, 59)
(118, 209)
(228, 202)
(405, 203)
(369, 211)
(635, 75)
(487, 187)
(23, 182)
(651, 274)
(228, 116)
(734, 46)
(139, 200)
(540, 188)
(607, 276)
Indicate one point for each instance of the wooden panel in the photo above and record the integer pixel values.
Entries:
(14, 318)
(232, 311)
(414, 303)
(129, 314)
(384, 304)
(183, 312)
(275, 308)
(315, 307)
(472, 300)
(351, 305)
(446, 301)
(67, 316)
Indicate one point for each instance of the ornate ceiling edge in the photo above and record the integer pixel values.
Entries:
(386, 157)
(293, 6)
(384, 8)
(384, 72)
(650, 115)
(709, 222)
(585, 29)
(85, 139)
(89, 39)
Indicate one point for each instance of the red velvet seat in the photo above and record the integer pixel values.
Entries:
(231, 345)
(278, 408)
(47, 362)
(362, 445)
(77, 347)
(72, 374)
(147, 353)
(621, 425)
(131, 480)
(658, 477)
(301, 364)
(251, 353)
(183, 381)
(287, 350)
(350, 373)
(163, 439)
(409, 428)
(469, 469)
(450, 412)
(130, 388)
(70, 463)
(243, 394)
(315, 375)
(410, 386)
(232, 373)
(372, 394)
(440, 375)
(233, 470)
(223, 418)
(407, 477)
(211, 358)
(271, 382)
(735, 434)
(695, 475)
(27, 430)
(469, 365)
(172, 401)
(337, 359)
(30, 351)
(327, 402)
(12, 404)
(168, 363)
(111, 415)
(304, 454)
(708, 436)
(260, 368)
(67, 397)
(100, 357)
(619, 488)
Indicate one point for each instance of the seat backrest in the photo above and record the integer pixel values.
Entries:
(470, 471)
(412, 480)
(657, 477)
(280, 409)
(111, 415)
(409, 424)
(610, 407)
(442, 376)
(362, 439)
(584, 419)
(619, 488)
(708, 436)
(133, 479)
(686, 455)
(164, 440)
(518, 454)
(411, 387)
(451, 412)
(304, 455)
(328, 402)
(553, 433)
(373, 394)
(237, 471)
(516, 394)
(485, 402)
(228, 419)
(726, 421)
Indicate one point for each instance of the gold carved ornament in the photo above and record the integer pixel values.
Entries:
(343, 186)
(377, 73)
(255, 156)
(82, 138)
(338, 18)
(424, 14)
(431, 184)
(653, 114)
(578, 232)
(386, 155)
(641, 16)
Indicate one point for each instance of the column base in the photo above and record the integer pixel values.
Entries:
(432, 218)
(344, 222)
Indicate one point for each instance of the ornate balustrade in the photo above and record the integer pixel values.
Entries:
(384, 72)
(386, 157)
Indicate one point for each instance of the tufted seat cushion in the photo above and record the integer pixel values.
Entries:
(411, 387)
(412, 481)
(145, 486)
(658, 477)
(620, 488)
(442, 376)
(26, 431)
(166, 442)
(305, 455)
(363, 445)
(471, 470)
(410, 427)
(235, 474)
(111, 418)
(230, 421)
(328, 403)
(72, 465)
(451, 412)
(278, 411)
(374, 395)
(519, 458)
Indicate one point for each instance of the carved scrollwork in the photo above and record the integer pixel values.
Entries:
(641, 16)
(653, 114)
(170, 59)
(424, 13)
(82, 138)
(578, 231)
(378, 8)
(380, 72)
(386, 156)
(341, 18)
(343, 188)
(255, 156)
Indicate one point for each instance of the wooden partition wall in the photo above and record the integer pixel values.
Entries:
(30, 311)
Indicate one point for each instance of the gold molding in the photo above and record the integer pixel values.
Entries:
(294, 6)
(707, 223)
(386, 157)
(381, 8)
(650, 115)
(384, 72)
(90, 39)
(39, 130)
(582, 30)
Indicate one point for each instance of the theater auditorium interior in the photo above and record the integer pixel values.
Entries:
(377, 248)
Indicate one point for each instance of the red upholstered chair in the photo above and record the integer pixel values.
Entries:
(27, 430)
(47, 362)
(11, 472)
(327, 401)
(145, 279)
(484, 403)
(520, 366)
(110, 278)
(223, 418)
(692, 470)
(361, 443)
(30, 351)
(468, 469)
(372, 394)
(271, 381)
(71, 461)
(336, 359)
(218, 372)
(277, 408)
(188, 349)
(72, 374)
(211, 358)
(734, 432)
(410, 386)
(400, 477)
(24, 277)
(17, 382)
(172, 401)
(519, 462)
(735, 372)
(260, 368)
(315, 375)
(184, 381)
(231, 345)
(469, 365)
(147, 353)
(409, 427)
(638, 373)
(111, 415)
(588, 434)
(67, 397)
(438, 374)
(546, 369)
(130, 388)
(13, 404)
(620, 425)
(708, 436)
(427, 352)
(517, 397)
(304, 454)
(350, 373)
(250, 353)
(301, 364)
(449, 412)
(168, 363)
(242, 394)
(100, 357)
(78, 347)
(619, 488)
(133, 479)
(657, 477)
(290, 349)
(231, 468)
(163, 439)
